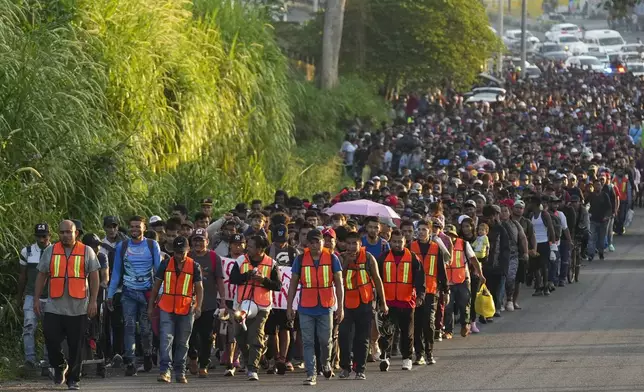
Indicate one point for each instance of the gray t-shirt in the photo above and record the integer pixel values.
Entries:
(66, 305)
(209, 278)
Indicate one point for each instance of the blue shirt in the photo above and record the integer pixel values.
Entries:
(378, 249)
(137, 267)
(318, 310)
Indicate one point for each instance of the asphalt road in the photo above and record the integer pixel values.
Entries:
(588, 336)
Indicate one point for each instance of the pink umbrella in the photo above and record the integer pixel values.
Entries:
(363, 207)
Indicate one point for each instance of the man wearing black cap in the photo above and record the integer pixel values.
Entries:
(284, 255)
(29, 259)
(180, 304)
(212, 277)
(206, 206)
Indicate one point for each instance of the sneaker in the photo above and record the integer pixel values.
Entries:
(384, 365)
(516, 306)
(420, 361)
(482, 320)
(280, 366)
(181, 379)
(117, 361)
(252, 376)
(203, 372)
(164, 377)
(361, 376)
(327, 371)
(73, 386)
(147, 363)
(546, 292)
(289, 367)
(537, 293)
(430, 358)
(438, 336)
(311, 380)
(60, 374)
(345, 373)
(509, 307)
(406, 365)
(230, 372)
(448, 335)
(193, 366)
(601, 257)
(465, 330)
(474, 328)
(497, 314)
(611, 248)
(130, 370)
(562, 284)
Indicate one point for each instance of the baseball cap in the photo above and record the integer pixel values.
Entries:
(470, 203)
(110, 221)
(451, 230)
(180, 243)
(241, 207)
(200, 233)
(314, 235)
(188, 223)
(41, 229)
(78, 224)
(519, 203)
(329, 232)
(237, 238)
(279, 233)
(91, 239)
(155, 219)
(206, 202)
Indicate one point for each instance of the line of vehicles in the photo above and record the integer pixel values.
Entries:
(600, 50)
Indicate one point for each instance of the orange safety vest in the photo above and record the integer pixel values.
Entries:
(253, 290)
(358, 287)
(398, 279)
(67, 269)
(456, 270)
(429, 264)
(177, 289)
(622, 185)
(317, 282)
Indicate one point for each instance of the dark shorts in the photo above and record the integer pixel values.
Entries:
(277, 320)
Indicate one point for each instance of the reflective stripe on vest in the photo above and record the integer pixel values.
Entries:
(317, 282)
(178, 289)
(67, 271)
(358, 285)
(398, 278)
(429, 264)
(253, 290)
(456, 270)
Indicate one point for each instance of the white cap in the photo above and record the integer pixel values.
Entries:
(574, 151)
(546, 129)
(155, 219)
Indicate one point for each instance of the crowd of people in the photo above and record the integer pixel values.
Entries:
(512, 194)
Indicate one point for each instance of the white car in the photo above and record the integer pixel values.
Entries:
(512, 36)
(574, 44)
(585, 62)
(601, 56)
(637, 69)
(563, 29)
(632, 48)
(631, 57)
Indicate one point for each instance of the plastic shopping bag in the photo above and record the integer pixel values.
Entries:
(484, 303)
(629, 218)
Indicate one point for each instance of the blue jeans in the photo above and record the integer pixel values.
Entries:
(135, 308)
(564, 253)
(30, 324)
(500, 293)
(597, 238)
(312, 327)
(175, 331)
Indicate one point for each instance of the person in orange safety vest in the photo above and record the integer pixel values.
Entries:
(256, 275)
(68, 265)
(403, 279)
(180, 304)
(361, 279)
(433, 254)
(320, 273)
(458, 279)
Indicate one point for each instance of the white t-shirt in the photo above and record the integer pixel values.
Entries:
(348, 149)
(564, 224)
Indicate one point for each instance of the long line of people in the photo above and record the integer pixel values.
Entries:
(512, 194)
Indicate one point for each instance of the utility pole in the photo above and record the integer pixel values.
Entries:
(500, 59)
(524, 17)
(316, 6)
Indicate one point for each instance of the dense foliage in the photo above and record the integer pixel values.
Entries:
(127, 106)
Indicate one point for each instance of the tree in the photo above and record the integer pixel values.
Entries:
(331, 42)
